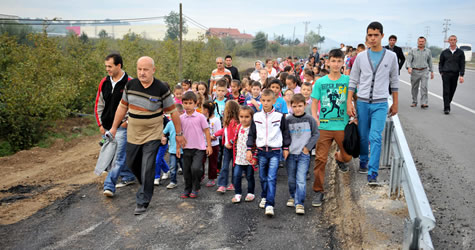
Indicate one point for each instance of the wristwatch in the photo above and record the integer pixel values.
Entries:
(179, 134)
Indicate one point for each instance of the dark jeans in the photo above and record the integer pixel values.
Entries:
(237, 178)
(141, 160)
(193, 168)
(449, 85)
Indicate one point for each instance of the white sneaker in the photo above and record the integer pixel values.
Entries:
(290, 202)
(156, 182)
(108, 193)
(171, 185)
(165, 175)
(300, 209)
(262, 204)
(270, 211)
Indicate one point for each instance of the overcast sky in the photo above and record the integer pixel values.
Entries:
(341, 20)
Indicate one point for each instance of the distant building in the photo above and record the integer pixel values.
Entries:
(229, 32)
(3, 16)
(147, 31)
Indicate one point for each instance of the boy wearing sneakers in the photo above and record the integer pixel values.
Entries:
(304, 134)
(331, 91)
(270, 133)
(170, 131)
(194, 126)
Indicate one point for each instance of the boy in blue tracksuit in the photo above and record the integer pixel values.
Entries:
(270, 133)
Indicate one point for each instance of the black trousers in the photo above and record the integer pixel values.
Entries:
(449, 85)
(193, 168)
(141, 160)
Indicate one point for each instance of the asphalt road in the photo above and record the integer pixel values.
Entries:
(443, 147)
(88, 220)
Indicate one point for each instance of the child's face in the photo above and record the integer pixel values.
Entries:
(308, 78)
(221, 92)
(288, 96)
(275, 88)
(335, 64)
(245, 118)
(306, 91)
(202, 89)
(178, 93)
(263, 74)
(189, 106)
(234, 87)
(248, 87)
(290, 84)
(205, 112)
(185, 86)
(298, 108)
(267, 102)
(194, 87)
(256, 91)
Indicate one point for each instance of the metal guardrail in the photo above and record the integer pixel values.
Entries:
(395, 153)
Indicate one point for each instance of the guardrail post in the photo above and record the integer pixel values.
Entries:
(386, 143)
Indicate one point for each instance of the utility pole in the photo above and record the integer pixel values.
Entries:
(427, 33)
(180, 65)
(306, 26)
(318, 28)
(292, 43)
(445, 29)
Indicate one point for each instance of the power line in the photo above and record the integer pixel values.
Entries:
(445, 30)
(83, 20)
(28, 21)
(197, 23)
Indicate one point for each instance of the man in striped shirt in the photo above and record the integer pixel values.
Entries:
(145, 99)
(217, 74)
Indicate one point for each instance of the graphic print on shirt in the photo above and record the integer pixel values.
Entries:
(333, 96)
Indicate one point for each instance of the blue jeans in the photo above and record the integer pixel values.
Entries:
(227, 163)
(174, 167)
(237, 177)
(371, 121)
(268, 166)
(119, 168)
(160, 163)
(297, 167)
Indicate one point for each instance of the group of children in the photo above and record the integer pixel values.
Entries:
(253, 127)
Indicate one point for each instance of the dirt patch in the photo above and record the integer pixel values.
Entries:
(35, 178)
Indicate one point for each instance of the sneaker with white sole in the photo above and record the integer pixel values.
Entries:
(299, 209)
(172, 185)
(124, 183)
(108, 193)
(270, 211)
(165, 175)
(262, 204)
(236, 198)
(156, 182)
(290, 202)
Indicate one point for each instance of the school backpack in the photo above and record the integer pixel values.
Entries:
(351, 141)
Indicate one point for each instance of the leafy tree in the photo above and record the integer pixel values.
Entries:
(12, 28)
(103, 34)
(260, 42)
(296, 42)
(313, 38)
(229, 43)
(280, 39)
(84, 38)
(173, 26)
(435, 51)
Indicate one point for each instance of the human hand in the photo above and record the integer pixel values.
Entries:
(180, 141)
(286, 154)
(209, 150)
(249, 156)
(461, 80)
(113, 131)
(350, 109)
(393, 110)
(103, 131)
(431, 75)
(305, 150)
(164, 140)
(409, 70)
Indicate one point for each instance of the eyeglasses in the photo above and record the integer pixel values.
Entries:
(219, 63)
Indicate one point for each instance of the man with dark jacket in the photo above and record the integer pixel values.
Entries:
(229, 66)
(108, 97)
(452, 69)
(400, 55)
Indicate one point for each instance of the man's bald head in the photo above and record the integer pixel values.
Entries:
(145, 69)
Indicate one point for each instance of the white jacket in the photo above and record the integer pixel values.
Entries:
(269, 131)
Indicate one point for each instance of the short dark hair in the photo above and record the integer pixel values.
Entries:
(247, 108)
(421, 37)
(276, 81)
(361, 46)
(256, 84)
(314, 48)
(117, 59)
(221, 83)
(298, 98)
(237, 82)
(375, 26)
(392, 37)
(309, 72)
(178, 87)
(288, 68)
(292, 78)
(336, 53)
(228, 56)
(268, 92)
(307, 84)
(179, 107)
(189, 96)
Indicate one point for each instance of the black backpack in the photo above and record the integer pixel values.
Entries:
(351, 141)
